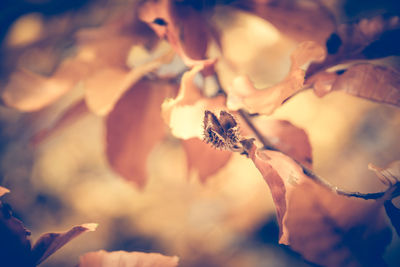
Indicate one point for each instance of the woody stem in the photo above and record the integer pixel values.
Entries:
(308, 172)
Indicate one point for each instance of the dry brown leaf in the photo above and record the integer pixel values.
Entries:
(184, 113)
(184, 27)
(367, 39)
(326, 228)
(296, 19)
(243, 94)
(377, 83)
(49, 243)
(373, 82)
(15, 246)
(203, 158)
(105, 87)
(102, 258)
(286, 137)
(134, 126)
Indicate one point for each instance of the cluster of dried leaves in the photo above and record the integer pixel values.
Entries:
(325, 225)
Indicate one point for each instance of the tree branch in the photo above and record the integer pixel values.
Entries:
(395, 188)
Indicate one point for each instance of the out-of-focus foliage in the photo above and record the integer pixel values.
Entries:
(15, 244)
(99, 96)
(123, 258)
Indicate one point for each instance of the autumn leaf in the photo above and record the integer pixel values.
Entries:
(203, 158)
(325, 228)
(184, 113)
(134, 126)
(105, 87)
(298, 21)
(124, 258)
(243, 94)
(373, 82)
(285, 136)
(185, 28)
(51, 242)
(15, 246)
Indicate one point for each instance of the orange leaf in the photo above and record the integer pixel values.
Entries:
(183, 26)
(243, 94)
(134, 126)
(286, 137)
(51, 242)
(124, 258)
(106, 86)
(373, 82)
(326, 228)
(203, 158)
(15, 246)
(377, 83)
(184, 113)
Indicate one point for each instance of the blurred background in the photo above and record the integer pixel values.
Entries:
(66, 180)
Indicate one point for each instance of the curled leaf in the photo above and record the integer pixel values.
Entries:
(184, 113)
(124, 258)
(373, 82)
(134, 126)
(242, 93)
(326, 228)
(51, 242)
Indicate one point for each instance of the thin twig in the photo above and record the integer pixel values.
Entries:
(308, 172)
